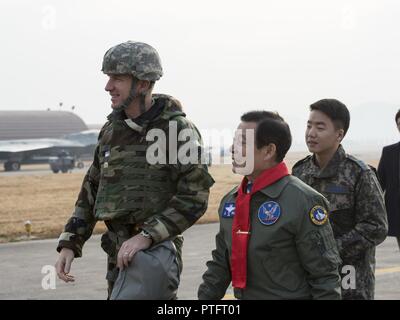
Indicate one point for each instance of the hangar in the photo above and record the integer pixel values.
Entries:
(39, 124)
(29, 137)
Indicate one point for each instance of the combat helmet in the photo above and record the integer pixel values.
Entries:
(135, 58)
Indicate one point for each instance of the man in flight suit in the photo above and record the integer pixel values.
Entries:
(275, 240)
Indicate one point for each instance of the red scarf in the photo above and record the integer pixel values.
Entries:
(241, 221)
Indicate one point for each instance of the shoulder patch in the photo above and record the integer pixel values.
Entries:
(359, 162)
(302, 161)
(229, 210)
(318, 215)
(227, 199)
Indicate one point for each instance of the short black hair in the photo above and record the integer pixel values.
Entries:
(336, 111)
(271, 128)
(397, 116)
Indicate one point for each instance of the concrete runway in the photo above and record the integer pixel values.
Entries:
(39, 170)
(21, 268)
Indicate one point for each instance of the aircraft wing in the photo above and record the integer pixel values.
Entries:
(35, 144)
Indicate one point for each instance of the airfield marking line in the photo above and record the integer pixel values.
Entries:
(382, 271)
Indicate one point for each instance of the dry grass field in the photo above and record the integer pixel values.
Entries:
(48, 200)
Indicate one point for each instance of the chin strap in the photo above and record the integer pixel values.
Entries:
(133, 96)
(130, 98)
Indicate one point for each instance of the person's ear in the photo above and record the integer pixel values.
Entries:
(340, 135)
(269, 151)
(143, 86)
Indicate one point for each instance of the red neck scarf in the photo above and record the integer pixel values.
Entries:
(241, 221)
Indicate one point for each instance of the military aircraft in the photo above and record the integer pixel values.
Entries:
(15, 153)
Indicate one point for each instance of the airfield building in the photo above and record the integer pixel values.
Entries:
(38, 124)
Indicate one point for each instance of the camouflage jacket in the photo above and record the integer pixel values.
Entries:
(357, 211)
(121, 185)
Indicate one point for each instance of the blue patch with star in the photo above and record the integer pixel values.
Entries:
(229, 210)
(269, 213)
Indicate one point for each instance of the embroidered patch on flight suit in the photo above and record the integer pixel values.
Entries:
(229, 210)
(318, 215)
(269, 213)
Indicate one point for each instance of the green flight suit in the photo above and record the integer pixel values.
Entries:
(292, 258)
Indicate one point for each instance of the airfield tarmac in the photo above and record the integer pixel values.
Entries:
(22, 263)
(39, 170)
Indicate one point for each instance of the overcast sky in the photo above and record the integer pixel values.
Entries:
(220, 58)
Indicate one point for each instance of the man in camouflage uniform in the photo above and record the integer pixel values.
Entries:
(146, 205)
(358, 214)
